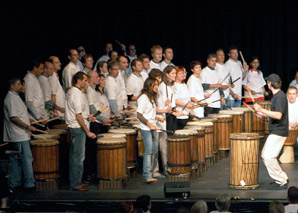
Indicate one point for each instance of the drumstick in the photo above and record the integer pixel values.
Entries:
(41, 125)
(245, 104)
(193, 116)
(235, 80)
(3, 144)
(249, 92)
(131, 118)
(163, 130)
(35, 122)
(38, 130)
(37, 136)
(100, 107)
(242, 56)
(185, 106)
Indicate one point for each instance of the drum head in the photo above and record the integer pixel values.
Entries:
(111, 141)
(195, 127)
(186, 132)
(47, 142)
(177, 138)
(111, 135)
(231, 112)
(245, 135)
(123, 131)
(219, 116)
(47, 136)
(241, 109)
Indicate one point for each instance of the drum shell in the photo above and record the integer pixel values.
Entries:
(244, 160)
(247, 118)
(45, 155)
(291, 139)
(111, 160)
(266, 105)
(200, 141)
(238, 118)
(179, 157)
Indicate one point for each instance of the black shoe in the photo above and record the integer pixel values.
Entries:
(276, 186)
(31, 189)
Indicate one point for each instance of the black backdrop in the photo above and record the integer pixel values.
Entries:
(266, 28)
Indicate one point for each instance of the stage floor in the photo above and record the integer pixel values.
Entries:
(213, 182)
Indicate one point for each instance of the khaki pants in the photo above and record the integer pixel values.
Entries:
(270, 152)
(163, 149)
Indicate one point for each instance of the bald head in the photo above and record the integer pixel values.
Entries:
(93, 78)
(56, 62)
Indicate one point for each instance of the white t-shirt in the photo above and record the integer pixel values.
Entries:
(147, 109)
(56, 89)
(45, 86)
(134, 86)
(209, 76)
(236, 70)
(163, 65)
(96, 98)
(196, 90)
(76, 103)
(68, 72)
(15, 107)
(34, 95)
(121, 79)
(291, 208)
(145, 74)
(223, 72)
(293, 112)
(154, 65)
(294, 84)
(182, 94)
(113, 91)
(254, 81)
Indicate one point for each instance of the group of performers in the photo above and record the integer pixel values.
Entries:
(155, 91)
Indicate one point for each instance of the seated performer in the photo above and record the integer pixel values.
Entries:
(255, 82)
(293, 106)
(146, 114)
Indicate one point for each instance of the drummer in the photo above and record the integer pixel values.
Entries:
(77, 117)
(212, 87)
(17, 131)
(278, 131)
(146, 114)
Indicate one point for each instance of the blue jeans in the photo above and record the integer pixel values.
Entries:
(76, 156)
(19, 163)
(234, 103)
(151, 147)
(227, 103)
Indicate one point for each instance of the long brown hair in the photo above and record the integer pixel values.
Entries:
(147, 90)
(166, 71)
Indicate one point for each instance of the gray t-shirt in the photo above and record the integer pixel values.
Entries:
(15, 107)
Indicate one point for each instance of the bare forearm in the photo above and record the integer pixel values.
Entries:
(80, 120)
(20, 123)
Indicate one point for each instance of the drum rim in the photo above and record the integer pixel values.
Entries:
(244, 135)
(44, 142)
(191, 131)
(131, 131)
(231, 112)
(111, 141)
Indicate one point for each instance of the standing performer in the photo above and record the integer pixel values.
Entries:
(210, 82)
(195, 88)
(183, 100)
(146, 66)
(33, 95)
(167, 58)
(17, 130)
(223, 72)
(278, 131)
(71, 69)
(156, 53)
(146, 114)
(236, 72)
(77, 118)
(255, 82)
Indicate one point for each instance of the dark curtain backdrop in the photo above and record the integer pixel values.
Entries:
(265, 28)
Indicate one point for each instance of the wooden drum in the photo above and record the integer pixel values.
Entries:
(201, 142)
(132, 145)
(244, 160)
(258, 124)
(141, 146)
(192, 134)
(288, 149)
(266, 105)
(247, 122)
(224, 129)
(111, 158)
(238, 117)
(179, 157)
(45, 159)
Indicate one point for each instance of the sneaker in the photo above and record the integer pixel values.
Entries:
(159, 176)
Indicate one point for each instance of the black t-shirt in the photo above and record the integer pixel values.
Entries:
(279, 103)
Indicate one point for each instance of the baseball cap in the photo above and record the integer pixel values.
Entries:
(273, 78)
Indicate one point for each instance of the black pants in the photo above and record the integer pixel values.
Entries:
(171, 123)
(181, 123)
(210, 110)
(90, 162)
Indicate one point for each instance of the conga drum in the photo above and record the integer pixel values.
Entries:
(266, 105)
(132, 145)
(201, 147)
(192, 134)
(224, 129)
(288, 149)
(111, 158)
(45, 159)
(179, 156)
(247, 117)
(244, 160)
(209, 137)
(258, 124)
(238, 117)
